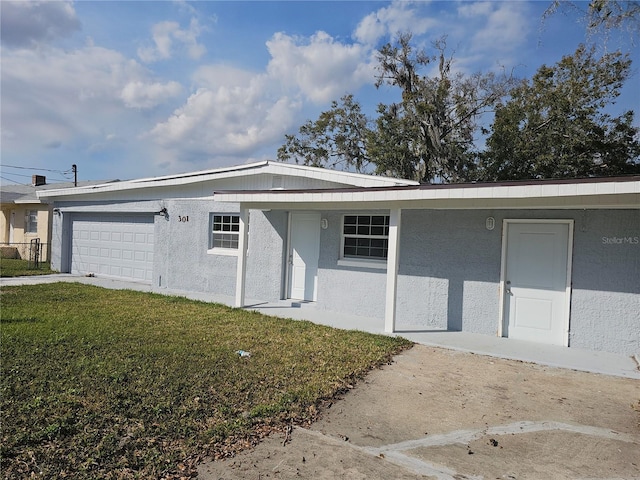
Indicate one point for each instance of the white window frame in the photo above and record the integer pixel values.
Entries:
(29, 223)
(231, 251)
(355, 261)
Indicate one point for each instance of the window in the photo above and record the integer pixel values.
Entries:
(31, 221)
(365, 236)
(225, 231)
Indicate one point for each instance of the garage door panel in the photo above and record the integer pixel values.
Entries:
(119, 246)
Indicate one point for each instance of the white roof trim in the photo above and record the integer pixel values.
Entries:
(276, 168)
(623, 194)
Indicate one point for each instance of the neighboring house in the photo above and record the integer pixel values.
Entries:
(555, 262)
(25, 217)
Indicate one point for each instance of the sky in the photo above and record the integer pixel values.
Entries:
(148, 88)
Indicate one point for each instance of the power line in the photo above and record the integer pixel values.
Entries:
(10, 180)
(29, 176)
(40, 169)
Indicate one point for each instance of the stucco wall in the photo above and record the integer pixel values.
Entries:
(352, 290)
(184, 263)
(605, 307)
(181, 250)
(21, 238)
(266, 255)
(450, 271)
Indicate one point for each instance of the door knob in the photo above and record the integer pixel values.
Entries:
(508, 289)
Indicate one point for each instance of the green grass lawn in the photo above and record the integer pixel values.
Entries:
(12, 267)
(101, 383)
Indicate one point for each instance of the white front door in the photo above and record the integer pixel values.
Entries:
(536, 306)
(304, 250)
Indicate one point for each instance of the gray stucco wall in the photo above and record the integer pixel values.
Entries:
(185, 264)
(449, 273)
(266, 255)
(605, 306)
(356, 291)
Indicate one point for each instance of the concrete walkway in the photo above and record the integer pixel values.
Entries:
(562, 357)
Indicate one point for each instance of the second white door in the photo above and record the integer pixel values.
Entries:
(304, 250)
(536, 286)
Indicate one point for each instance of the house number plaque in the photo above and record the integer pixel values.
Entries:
(183, 218)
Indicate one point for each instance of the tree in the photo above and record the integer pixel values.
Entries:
(441, 112)
(603, 15)
(393, 145)
(428, 136)
(336, 139)
(555, 126)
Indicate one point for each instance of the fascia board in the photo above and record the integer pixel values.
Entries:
(155, 182)
(337, 176)
(627, 193)
(565, 203)
(347, 178)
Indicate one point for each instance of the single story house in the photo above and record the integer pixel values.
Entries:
(555, 262)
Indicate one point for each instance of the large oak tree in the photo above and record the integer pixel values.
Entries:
(556, 125)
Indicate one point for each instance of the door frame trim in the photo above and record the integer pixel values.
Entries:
(287, 260)
(503, 270)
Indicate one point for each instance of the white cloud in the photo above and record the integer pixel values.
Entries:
(399, 17)
(322, 69)
(236, 112)
(227, 120)
(166, 35)
(475, 9)
(66, 97)
(140, 94)
(29, 24)
(501, 26)
(214, 76)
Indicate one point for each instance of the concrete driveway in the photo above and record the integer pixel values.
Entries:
(444, 414)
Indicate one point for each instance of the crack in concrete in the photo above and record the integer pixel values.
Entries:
(393, 453)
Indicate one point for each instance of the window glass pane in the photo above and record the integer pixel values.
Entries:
(230, 225)
(364, 242)
(349, 251)
(31, 220)
(378, 243)
(365, 236)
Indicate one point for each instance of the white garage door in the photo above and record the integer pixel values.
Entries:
(118, 246)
